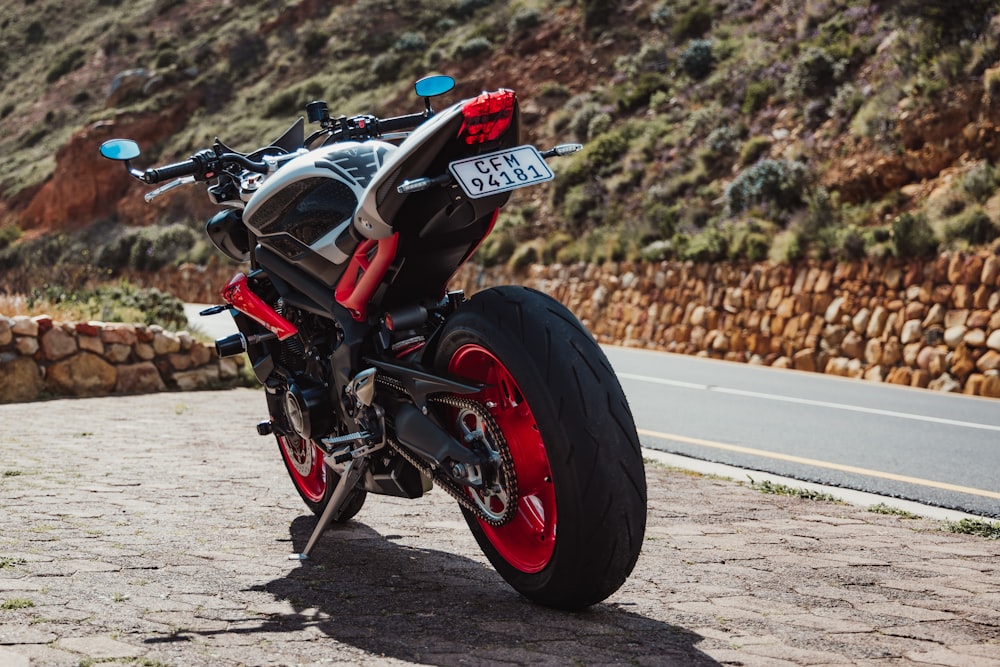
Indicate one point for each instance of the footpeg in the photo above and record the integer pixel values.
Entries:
(265, 428)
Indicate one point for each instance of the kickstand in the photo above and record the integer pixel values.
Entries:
(352, 473)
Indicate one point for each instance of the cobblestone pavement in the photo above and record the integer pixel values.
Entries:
(154, 530)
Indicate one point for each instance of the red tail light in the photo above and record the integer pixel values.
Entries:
(487, 116)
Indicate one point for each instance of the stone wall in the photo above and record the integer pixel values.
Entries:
(933, 323)
(41, 358)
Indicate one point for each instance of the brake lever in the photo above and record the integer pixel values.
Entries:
(153, 194)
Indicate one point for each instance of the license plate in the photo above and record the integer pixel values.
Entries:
(493, 173)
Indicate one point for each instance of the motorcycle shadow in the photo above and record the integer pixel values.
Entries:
(370, 591)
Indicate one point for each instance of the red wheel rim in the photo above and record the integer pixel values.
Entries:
(305, 465)
(528, 541)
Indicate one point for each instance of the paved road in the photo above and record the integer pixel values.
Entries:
(934, 448)
(153, 530)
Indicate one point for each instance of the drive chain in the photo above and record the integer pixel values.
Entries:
(507, 475)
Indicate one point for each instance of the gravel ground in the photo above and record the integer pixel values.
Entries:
(154, 530)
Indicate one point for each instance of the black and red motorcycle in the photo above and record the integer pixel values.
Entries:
(379, 380)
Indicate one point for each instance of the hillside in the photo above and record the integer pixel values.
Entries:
(714, 130)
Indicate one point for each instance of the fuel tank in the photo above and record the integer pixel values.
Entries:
(304, 211)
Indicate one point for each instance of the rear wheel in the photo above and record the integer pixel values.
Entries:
(313, 479)
(580, 483)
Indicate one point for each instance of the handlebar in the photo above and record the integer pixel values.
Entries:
(202, 166)
(401, 123)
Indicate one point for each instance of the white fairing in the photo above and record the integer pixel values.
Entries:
(368, 221)
(351, 163)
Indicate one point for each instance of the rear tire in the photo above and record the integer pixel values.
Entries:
(572, 438)
(313, 479)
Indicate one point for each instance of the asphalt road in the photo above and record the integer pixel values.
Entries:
(938, 449)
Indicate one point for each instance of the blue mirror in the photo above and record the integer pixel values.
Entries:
(120, 149)
(432, 86)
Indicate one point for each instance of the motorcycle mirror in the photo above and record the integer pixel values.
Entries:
(122, 150)
(434, 85)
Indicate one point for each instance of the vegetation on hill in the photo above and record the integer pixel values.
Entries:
(713, 129)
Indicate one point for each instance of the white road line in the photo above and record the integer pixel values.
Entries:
(806, 401)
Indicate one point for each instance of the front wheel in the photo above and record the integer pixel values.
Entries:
(580, 482)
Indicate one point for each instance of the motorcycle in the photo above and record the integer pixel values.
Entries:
(380, 380)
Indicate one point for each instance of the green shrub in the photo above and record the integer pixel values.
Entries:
(693, 23)
(472, 48)
(815, 73)
(34, 33)
(523, 20)
(697, 59)
(9, 234)
(778, 181)
(466, 8)
(411, 41)
(709, 245)
(973, 226)
(912, 236)
(596, 13)
(980, 181)
(314, 42)
(756, 97)
(637, 94)
(66, 63)
(754, 149)
(525, 255)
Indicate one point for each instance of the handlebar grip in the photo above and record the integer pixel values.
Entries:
(178, 170)
(400, 123)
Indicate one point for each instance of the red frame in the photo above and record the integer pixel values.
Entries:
(364, 273)
(238, 294)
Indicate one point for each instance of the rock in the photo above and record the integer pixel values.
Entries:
(921, 378)
(893, 278)
(117, 353)
(6, 334)
(197, 379)
(990, 361)
(57, 344)
(122, 334)
(876, 324)
(22, 380)
(900, 375)
(804, 360)
(26, 346)
(141, 378)
(873, 351)
(836, 366)
(144, 351)
(90, 344)
(165, 342)
(853, 346)
(834, 311)
(860, 320)
(912, 332)
(975, 338)
(990, 386)
(954, 318)
(915, 310)
(954, 335)
(934, 316)
(974, 385)
(993, 342)
(961, 362)
(874, 374)
(991, 270)
(24, 326)
(944, 383)
(84, 374)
